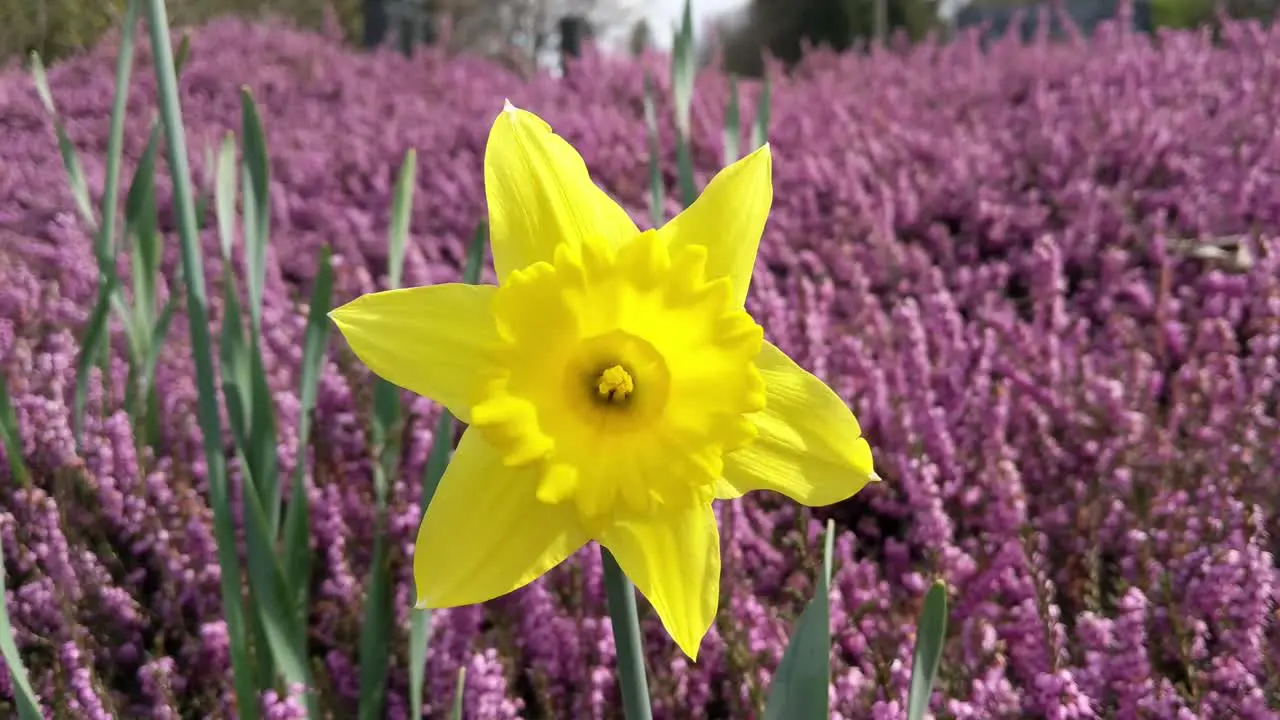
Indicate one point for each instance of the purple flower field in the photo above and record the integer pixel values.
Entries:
(997, 259)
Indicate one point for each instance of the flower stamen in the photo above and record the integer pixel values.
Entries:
(615, 385)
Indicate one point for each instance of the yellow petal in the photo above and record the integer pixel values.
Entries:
(810, 447)
(728, 219)
(435, 340)
(486, 533)
(673, 557)
(540, 195)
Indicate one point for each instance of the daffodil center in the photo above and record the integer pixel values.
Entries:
(626, 374)
(614, 386)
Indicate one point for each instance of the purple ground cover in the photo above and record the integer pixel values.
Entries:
(1076, 421)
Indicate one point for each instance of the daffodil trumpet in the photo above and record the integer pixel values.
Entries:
(613, 383)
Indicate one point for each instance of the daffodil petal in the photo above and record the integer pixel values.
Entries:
(728, 218)
(486, 533)
(434, 340)
(540, 194)
(809, 446)
(673, 557)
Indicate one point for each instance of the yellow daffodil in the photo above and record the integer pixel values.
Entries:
(613, 383)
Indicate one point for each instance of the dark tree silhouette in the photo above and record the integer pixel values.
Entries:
(785, 27)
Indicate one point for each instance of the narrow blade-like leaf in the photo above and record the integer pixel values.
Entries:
(657, 196)
(401, 212)
(279, 624)
(732, 124)
(297, 520)
(224, 195)
(95, 334)
(141, 229)
(237, 394)
(202, 353)
(70, 160)
(256, 196)
(683, 71)
(262, 447)
(760, 128)
(931, 632)
(115, 135)
(459, 692)
(375, 634)
(799, 689)
(147, 378)
(437, 461)
(23, 695)
(12, 441)
(420, 628)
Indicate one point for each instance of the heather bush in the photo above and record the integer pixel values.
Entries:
(1010, 263)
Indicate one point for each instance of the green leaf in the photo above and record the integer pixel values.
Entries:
(140, 222)
(95, 347)
(70, 160)
(684, 171)
(401, 213)
(760, 129)
(24, 697)
(262, 435)
(437, 461)
(237, 385)
(386, 413)
(657, 196)
(183, 52)
(201, 345)
(931, 632)
(105, 244)
(12, 443)
(732, 124)
(247, 393)
(224, 194)
(475, 254)
(459, 691)
(419, 641)
(275, 620)
(799, 689)
(147, 378)
(251, 416)
(285, 635)
(375, 633)
(94, 336)
(420, 629)
(237, 393)
(683, 71)
(297, 522)
(257, 205)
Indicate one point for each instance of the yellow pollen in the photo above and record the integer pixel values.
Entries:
(615, 384)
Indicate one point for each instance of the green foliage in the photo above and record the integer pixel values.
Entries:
(57, 28)
(784, 28)
(799, 688)
(1181, 14)
(23, 696)
(931, 634)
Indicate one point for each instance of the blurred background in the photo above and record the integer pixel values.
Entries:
(737, 34)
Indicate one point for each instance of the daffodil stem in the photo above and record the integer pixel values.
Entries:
(632, 682)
